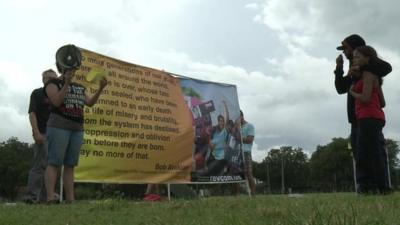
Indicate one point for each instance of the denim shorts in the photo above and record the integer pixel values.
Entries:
(63, 146)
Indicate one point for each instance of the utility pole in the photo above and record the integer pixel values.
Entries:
(354, 167)
(283, 173)
(268, 180)
(388, 166)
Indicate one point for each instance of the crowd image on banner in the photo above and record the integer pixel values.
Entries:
(217, 154)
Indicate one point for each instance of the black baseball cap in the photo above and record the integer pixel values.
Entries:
(353, 40)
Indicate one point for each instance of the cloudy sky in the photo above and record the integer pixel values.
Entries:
(280, 54)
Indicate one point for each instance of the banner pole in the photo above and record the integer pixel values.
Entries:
(355, 175)
(248, 188)
(169, 191)
(61, 183)
(388, 168)
(349, 147)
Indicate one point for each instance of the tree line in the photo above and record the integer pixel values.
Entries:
(328, 169)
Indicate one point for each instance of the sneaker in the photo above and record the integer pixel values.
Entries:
(30, 201)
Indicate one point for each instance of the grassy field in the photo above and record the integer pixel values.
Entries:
(326, 209)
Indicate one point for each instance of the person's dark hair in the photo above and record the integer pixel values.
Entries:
(48, 71)
(370, 52)
(216, 127)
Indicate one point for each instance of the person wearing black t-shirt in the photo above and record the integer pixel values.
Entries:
(65, 129)
(39, 110)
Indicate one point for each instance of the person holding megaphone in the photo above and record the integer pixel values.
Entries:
(65, 124)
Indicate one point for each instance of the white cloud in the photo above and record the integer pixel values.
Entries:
(287, 109)
(252, 6)
(314, 22)
(14, 124)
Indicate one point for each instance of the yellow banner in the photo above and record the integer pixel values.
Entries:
(140, 130)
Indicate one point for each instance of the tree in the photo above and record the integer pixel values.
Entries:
(15, 160)
(295, 169)
(331, 166)
(393, 150)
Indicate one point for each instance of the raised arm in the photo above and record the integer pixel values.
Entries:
(342, 84)
(90, 101)
(226, 112)
(57, 95)
(380, 68)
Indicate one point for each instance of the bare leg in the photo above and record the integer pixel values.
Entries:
(252, 184)
(50, 181)
(236, 189)
(152, 189)
(69, 183)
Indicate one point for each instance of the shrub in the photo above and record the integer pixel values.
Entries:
(15, 160)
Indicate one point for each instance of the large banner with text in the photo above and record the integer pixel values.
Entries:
(151, 127)
(140, 130)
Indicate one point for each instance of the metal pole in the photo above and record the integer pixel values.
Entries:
(354, 165)
(355, 175)
(169, 191)
(388, 168)
(268, 179)
(61, 183)
(283, 174)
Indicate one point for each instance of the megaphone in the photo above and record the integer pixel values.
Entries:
(68, 57)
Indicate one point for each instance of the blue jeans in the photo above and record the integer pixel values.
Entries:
(371, 162)
(36, 190)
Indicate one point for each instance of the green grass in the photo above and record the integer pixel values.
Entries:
(310, 209)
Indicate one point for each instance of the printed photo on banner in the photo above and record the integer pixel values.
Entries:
(217, 155)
